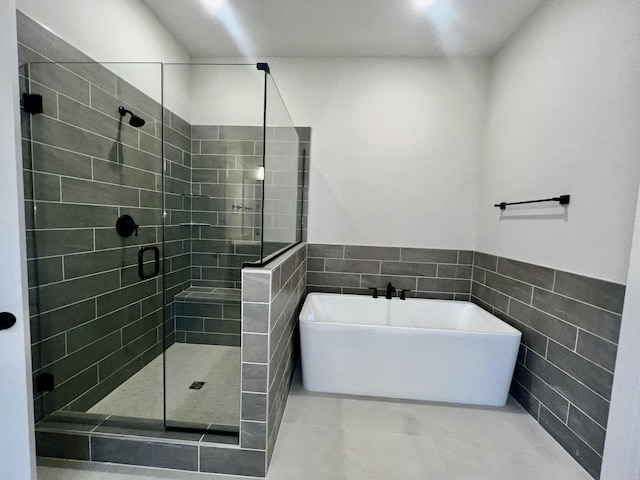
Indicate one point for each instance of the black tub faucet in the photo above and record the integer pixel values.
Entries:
(390, 289)
(375, 291)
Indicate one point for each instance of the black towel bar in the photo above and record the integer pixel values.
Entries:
(562, 199)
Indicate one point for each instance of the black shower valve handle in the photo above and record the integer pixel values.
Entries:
(125, 226)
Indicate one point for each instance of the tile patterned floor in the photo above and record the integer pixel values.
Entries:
(333, 437)
(217, 402)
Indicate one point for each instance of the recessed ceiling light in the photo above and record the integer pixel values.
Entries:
(212, 4)
(423, 3)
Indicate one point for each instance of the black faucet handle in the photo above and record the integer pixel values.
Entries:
(375, 291)
(390, 289)
(402, 293)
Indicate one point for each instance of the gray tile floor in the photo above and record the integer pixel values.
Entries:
(217, 402)
(333, 437)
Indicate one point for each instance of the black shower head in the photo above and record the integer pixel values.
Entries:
(134, 121)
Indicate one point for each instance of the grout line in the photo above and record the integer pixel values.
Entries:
(531, 299)
(568, 375)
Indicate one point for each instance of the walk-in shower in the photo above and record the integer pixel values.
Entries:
(138, 231)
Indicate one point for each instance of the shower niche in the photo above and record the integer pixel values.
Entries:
(148, 188)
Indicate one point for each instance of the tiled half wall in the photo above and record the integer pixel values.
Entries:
(570, 326)
(569, 323)
(271, 301)
(427, 273)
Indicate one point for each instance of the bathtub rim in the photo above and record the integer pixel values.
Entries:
(513, 333)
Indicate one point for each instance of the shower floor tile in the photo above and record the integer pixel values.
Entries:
(337, 437)
(217, 402)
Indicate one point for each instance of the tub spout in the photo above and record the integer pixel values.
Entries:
(390, 289)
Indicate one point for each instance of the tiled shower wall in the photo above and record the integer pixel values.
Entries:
(223, 211)
(227, 196)
(286, 161)
(570, 326)
(94, 322)
(224, 171)
(271, 303)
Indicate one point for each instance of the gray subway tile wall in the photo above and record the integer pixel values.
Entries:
(270, 345)
(427, 273)
(286, 302)
(87, 169)
(225, 198)
(286, 158)
(145, 453)
(210, 316)
(570, 326)
(221, 208)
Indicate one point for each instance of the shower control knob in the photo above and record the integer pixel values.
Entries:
(125, 226)
(7, 320)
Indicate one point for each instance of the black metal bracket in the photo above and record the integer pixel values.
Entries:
(264, 67)
(562, 199)
(32, 103)
(156, 262)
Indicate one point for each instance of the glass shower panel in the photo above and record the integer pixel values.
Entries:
(93, 176)
(283, 177)
(212, 140)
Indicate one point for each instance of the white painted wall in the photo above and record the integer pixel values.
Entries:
(226, 94)
(395, 149)
(117, 31)
(17, 448)
(564, 118)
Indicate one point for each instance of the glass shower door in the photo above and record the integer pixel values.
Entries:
(213, 135)
(93, 178)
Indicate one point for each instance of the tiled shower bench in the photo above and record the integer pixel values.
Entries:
(208, 315)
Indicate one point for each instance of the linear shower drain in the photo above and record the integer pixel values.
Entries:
(196, 385)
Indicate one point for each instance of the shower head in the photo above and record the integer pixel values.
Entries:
(134, 121)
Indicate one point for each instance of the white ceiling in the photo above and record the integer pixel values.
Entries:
(342, 28)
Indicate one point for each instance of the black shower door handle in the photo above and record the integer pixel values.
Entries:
(156, 262)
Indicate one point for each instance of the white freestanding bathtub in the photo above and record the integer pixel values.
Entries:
(416, 349)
